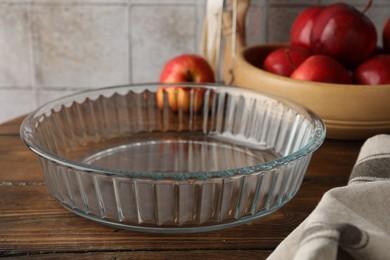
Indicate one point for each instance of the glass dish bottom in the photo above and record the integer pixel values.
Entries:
(175, 152)
(175, 229)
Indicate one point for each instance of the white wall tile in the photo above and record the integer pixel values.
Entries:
(159, 33)
(80, 45)
(78, 1)
(256, 24)
(294, 2)
(46, 95)
(66, 1)
(15, 63)
(280, 20)
(15, 102)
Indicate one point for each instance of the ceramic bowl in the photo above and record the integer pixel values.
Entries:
(348, 111)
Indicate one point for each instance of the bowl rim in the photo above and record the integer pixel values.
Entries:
(27, 129)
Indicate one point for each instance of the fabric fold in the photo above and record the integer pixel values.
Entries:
(350, 222)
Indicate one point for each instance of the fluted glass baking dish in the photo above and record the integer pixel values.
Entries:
(130, 157)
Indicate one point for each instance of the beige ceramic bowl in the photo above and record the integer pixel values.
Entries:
(349, 111)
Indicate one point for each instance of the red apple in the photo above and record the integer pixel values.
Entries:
(374, 71)
(284, 61)
(321, 68)
(180, 98)
(184, 68)
(302, 26)
(386, 36)
(344, 33)
(187, 68)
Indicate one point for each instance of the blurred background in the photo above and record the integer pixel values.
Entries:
(50, 48)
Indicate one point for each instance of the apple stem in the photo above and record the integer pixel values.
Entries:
(189, 77)
(369, 3)
(287, 51)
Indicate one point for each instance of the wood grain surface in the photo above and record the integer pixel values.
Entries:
(33, 225)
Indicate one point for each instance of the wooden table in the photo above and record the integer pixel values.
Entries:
(33, 225)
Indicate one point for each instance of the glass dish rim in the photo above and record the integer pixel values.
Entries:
(312, 144)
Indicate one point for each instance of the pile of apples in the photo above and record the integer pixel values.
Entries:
(331, 44)
(334, 44)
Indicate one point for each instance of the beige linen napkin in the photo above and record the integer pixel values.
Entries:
(350, 222)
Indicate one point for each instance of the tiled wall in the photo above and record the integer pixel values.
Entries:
(49, 48)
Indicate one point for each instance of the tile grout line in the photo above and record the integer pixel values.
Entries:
(130, 44)
(33, 68)
(199, 22)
